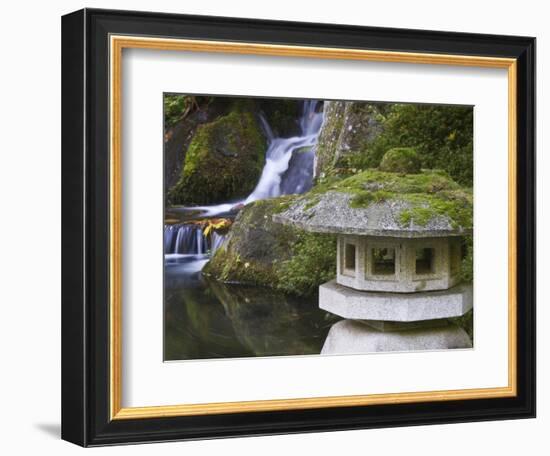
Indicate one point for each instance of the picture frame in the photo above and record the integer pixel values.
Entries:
(92, 313)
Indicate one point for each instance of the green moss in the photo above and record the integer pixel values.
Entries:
(456, 205)
(174, 107)
(236, 269)
(366, 198)
(372, 180)
(223, 161)
(431, 193)
(312, 263)
(401, 160)
(442, 136)
(254, 245)
(311, 203)
(329, 138)
(283, 203)
(261, 252)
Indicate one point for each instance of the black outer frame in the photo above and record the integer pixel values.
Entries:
(85, 227)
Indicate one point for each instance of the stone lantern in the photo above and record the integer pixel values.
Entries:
(398, 280)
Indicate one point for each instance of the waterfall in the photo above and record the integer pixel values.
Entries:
(190, 239)
(288, 169)
(280, 151)
(289, 162)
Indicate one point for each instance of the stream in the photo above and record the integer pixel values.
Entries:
(208, 319)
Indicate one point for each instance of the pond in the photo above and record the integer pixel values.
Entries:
(208, 319)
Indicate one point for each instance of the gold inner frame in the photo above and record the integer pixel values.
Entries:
(117, 44)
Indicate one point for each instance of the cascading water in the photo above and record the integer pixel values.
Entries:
(217, 241)
(282, 150)
(288, 169)
(189, 239)
(278, 178)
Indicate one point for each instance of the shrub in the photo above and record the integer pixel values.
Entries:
(441, 135)
(403, 160)
(313, 262)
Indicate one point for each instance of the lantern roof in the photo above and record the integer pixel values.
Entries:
(376, 203)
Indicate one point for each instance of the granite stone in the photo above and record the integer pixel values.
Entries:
(353, 337)
(404, 307)
(445, 272)
(332, 213)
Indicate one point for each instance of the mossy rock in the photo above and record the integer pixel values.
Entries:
(349, 128)
(254, 244)
(259, 251)
(224, 160)
(403, 160)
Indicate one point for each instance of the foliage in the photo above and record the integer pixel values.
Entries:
(313, 262)
(177, 107)
(174, 106)
(401, 160)
(442, 136)
(467, 268)
(216, 225)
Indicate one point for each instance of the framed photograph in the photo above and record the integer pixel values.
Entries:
(275, 227)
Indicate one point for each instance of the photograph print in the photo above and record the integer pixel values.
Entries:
(300, 227)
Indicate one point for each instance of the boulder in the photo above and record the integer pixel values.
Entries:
(223, 162)
(258, 251)
(254, 245)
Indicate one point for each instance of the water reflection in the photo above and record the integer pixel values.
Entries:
(208, 319)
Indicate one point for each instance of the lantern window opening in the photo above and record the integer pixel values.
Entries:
(425, 261)
(383, 261)
(350, 256)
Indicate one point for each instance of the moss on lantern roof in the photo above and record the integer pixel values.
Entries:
(375, 202)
